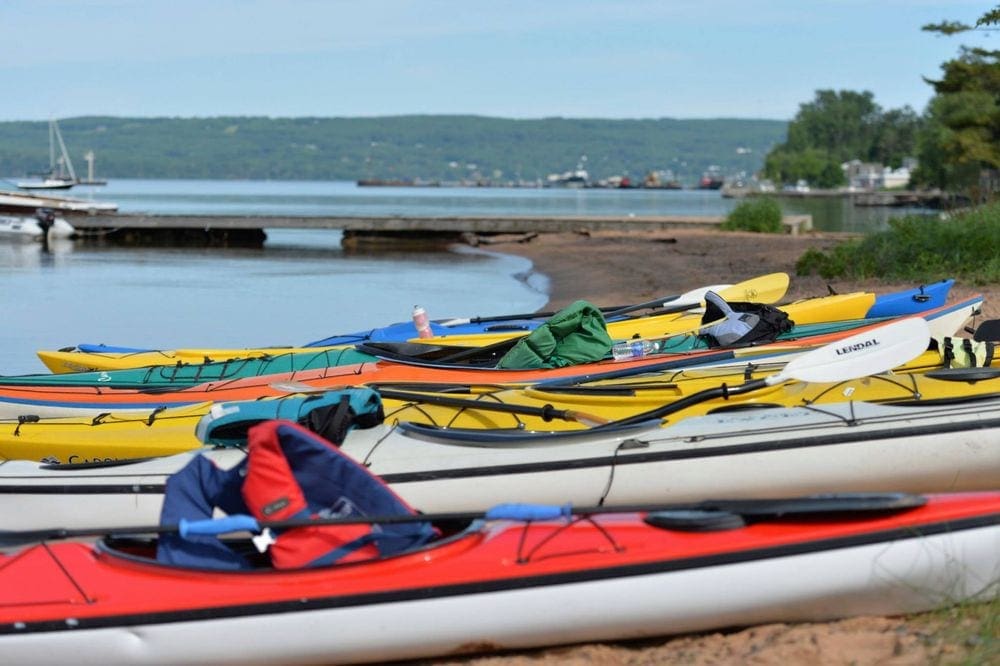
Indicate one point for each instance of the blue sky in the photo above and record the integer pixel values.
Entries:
(513, 58)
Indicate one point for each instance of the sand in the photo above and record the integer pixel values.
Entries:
(610, 268)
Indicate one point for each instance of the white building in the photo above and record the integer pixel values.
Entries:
(869, 176)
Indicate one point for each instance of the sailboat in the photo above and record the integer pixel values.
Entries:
(61, 175)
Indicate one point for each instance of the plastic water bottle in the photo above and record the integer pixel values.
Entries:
(421, 322)
(622, 351)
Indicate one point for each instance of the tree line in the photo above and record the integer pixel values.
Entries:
(445, 148)
(956, 140)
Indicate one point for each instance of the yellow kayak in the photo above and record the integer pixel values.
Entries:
(839, 307)
(131, 435)
(763, 289)
(60, 362)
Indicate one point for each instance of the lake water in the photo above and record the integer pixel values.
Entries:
(300, 286)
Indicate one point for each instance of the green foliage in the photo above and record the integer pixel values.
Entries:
(837, 127)
(962, 134)
(761, 214)
(399, 147)
(918, 248)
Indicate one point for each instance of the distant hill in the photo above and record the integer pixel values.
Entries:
(397, 147)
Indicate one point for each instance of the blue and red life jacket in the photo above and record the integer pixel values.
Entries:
(289, 473)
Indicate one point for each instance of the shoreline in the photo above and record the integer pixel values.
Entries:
(612, 268)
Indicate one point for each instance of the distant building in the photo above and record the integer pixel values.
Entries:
(872, 176)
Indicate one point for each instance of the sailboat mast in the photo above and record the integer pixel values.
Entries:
(52, 150)
(65, 154)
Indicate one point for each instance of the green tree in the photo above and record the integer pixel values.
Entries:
(842, 123)
(961, 137)
(895, 137)
(836, 127)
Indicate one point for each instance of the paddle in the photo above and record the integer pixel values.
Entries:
(810, 505)
(866, 353)
(694, 296)
(768, 288)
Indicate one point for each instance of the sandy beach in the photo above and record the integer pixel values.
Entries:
(618, 268)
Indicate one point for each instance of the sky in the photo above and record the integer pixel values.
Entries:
(503, 58)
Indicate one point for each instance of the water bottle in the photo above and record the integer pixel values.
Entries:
(421, 322)
(623, 351)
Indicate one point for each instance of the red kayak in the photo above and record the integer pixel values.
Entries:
(514, 577)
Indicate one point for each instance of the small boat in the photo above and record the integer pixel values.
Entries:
(515, 576)
(44, 226)
(61, 175)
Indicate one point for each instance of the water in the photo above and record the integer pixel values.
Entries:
(301, 286)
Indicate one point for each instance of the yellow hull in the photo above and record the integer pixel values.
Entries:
(60, 362)
(127, 435)
(808, 311)
(764, 289)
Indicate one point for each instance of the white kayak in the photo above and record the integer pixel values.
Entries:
(762, 452)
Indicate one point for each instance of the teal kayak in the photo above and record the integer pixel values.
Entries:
(191, 374)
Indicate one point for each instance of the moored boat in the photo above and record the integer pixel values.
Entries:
(41, 227)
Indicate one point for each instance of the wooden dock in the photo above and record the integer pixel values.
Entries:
(138, 225)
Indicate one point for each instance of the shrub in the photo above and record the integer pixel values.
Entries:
(918, 247)
(760, 215)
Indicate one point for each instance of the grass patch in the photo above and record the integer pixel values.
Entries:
(967, 633)
(761, 215)
(965, 246)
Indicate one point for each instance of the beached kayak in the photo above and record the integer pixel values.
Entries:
(525, 576)
(293, 364)
(854, 446)
(26, 403)
(87, 357)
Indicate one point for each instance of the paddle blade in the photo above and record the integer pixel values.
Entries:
(867, 353)
(769, 288)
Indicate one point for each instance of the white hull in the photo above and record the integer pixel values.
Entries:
(905, 575)
(28, 203)
(47, 184)
(755, 453)
(28, 229)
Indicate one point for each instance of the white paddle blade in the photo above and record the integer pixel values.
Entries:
(860, 355)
